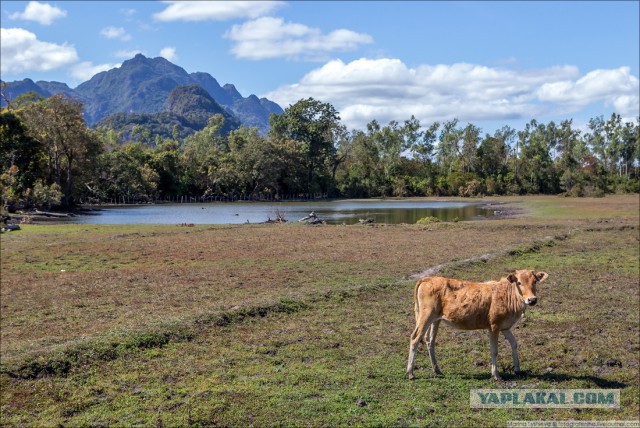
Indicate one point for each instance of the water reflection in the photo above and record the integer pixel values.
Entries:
(334, 212)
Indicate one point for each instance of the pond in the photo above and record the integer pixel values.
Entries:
(333, 212)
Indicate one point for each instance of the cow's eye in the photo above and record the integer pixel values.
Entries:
(519, 283)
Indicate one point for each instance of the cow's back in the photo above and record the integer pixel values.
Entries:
(463, 304)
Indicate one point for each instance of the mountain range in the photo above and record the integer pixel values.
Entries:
(141, 87)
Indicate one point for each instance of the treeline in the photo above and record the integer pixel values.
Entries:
(51, 158)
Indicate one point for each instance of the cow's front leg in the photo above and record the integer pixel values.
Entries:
(514, 349)
(493, 341)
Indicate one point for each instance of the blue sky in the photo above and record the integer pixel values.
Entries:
(488, 63)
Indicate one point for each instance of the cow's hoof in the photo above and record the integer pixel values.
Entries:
(438, 372)
(518, 373)
(411, 376)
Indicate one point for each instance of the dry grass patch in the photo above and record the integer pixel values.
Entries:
(58, 288)
(558, 207)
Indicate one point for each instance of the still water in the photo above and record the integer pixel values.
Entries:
(334, 212)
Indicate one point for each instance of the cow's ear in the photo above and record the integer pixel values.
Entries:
(512, 278)
(541, 276)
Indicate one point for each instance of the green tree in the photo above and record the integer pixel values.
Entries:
(468, 152)
(58, 123)
(423, 150)
(538, 171)
(315, 125)
(630, 142)
(45, 196)
(615, 149)
(24, 100)
(253, 165)
(359, 174)
(390, 144)
(201, 154)
(612, 128)
(392, 141)
(491, 154)
(125, 174)
(595, 140)
(449, 146)
(569, 159)
(22, 158)
(374, 161)
(167, 163)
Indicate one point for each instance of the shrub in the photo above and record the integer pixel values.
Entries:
(471, 188)
(428, 220)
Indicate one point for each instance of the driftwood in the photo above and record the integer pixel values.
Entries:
(50, 214)
(279, 218)
(316, 221)
(312, 219)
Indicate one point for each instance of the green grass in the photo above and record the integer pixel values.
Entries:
(340, 361)
(560, 207)
(320, 339)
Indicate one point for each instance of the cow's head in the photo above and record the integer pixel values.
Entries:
(526, 282)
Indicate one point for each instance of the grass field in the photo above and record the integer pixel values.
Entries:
(290, 325)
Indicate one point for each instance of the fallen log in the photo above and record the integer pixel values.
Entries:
(312, 219)
(269, 221)
(279, 218)
(50, 214)
(366, 220)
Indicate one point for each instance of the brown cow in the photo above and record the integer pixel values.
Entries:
(494, 305)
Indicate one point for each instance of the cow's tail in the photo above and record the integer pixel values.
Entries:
(416, 306)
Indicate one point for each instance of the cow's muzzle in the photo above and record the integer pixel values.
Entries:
(531, 301)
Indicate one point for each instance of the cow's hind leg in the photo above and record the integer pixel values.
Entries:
(431, 343)
(514, 349)
(423, 324)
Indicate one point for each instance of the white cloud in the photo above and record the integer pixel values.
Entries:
(21, 51)
(269, 37)
(215, 10)
(128, 13)
(627, 105)
(615, 87)
(86, 70)
(127, 54)
(169, 53)
(42, 13)
(387, 89)
(115, 33)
